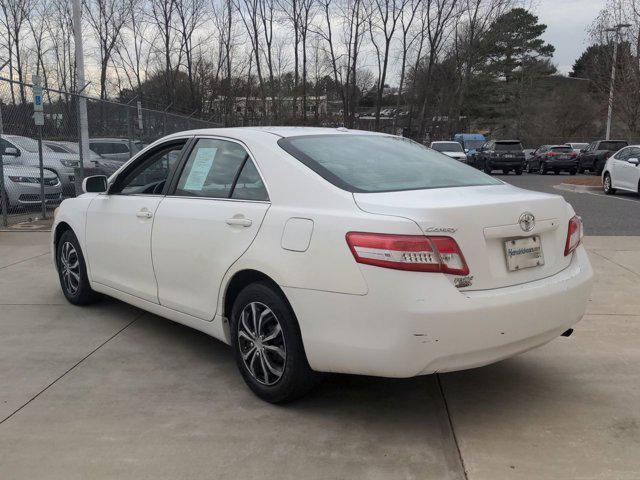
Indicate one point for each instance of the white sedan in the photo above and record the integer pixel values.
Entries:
(622, 171)
(326, 250)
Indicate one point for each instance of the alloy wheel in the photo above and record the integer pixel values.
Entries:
(607, 183)
(70, 268)
(261, 343)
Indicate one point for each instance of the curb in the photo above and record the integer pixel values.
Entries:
(568, 187)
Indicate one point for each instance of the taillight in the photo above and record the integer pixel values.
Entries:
(408, 252)
(574, 235)
(551, 154)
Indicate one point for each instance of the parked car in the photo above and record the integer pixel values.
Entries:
(20, 150)
(505, 155)
(622, 171)
(70, 147)
(594, 157)
(470, 143)
(22, 186)
(326, 250)
(578, 147)
(553, 158)
(120, 149)
(450, 149)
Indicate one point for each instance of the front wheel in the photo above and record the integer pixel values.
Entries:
(573, 172)
(543, 169)
(72, 271)
(607, 185)
(518, 171)
(267, 345)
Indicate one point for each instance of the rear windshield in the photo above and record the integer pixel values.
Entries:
(508, 146)
(473, 143)
(562, 149)
(612, 145)
(376, 163)
(447, 147)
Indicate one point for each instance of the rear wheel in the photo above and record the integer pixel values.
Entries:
(72, 271)
(268, 346)
(607, 186)
(518, 171)
(487, 168)
(505, 171)
(528, 167)
(573, 172)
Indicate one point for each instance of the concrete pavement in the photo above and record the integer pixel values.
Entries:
(109, 391)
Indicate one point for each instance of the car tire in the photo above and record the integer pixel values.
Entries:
(607, 185)
(487, 168)
(543, 168)
(505, 171)
(527, 168)
(269, 352)
(573, 172)
(580, 170)
(518, 171)
(72, 271)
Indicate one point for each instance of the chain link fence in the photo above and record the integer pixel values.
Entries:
(41, 164)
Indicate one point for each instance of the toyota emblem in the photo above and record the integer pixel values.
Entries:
(527, 221)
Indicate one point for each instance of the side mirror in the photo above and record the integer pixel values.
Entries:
(582, 150)
(12, 151)
(95, 184)
(634, 161)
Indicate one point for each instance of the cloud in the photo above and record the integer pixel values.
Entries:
(567, 21)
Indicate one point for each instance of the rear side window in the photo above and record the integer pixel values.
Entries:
(220, 169)
(562, 149)
(377, 163)
(508, 146)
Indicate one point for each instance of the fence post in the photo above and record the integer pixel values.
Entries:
(38, 118)
(3, 197)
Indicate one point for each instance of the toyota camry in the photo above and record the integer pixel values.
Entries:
(313, 250)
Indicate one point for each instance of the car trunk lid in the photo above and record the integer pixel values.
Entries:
(482, 219)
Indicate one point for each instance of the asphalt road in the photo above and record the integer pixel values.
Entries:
(602, 214)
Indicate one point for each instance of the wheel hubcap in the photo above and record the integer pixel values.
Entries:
(607, 183)
(70, 268)
(261, 343)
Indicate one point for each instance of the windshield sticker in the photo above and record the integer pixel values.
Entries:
(200, 169)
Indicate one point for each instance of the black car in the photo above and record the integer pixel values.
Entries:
(553, 158)
(505, 155)
(596, 154)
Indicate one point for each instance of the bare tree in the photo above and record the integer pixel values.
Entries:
(162, 12)
(190, 18)
(439, 16)
(106, 17)
(15, 14)
(383, 19)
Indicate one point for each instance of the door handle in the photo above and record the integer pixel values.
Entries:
(144, 213)
(242, 222)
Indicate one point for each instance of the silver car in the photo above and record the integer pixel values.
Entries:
(19, 150)
(22, 186)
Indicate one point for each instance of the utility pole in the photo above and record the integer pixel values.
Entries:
(616, 29)
(83, 123)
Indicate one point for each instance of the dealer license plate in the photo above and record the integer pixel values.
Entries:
(523, 253)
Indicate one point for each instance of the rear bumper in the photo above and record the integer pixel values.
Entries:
(562, 164)
(405, 328)
(498, 163)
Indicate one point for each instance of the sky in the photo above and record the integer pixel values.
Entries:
(567, 21)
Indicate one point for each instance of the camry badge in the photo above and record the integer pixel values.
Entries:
(527, 221)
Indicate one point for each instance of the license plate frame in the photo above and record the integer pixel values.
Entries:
(523, 253)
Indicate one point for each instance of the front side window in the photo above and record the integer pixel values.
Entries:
(380, 163)
(149, 174)
(220, 169)
(612, 145)
(623, 154)
(119, 148)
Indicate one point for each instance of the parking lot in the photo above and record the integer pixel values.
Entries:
(110, 391)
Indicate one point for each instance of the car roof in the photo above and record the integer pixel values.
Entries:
(107, 139)
(283, 132)
(445, 141)
(507, 141)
